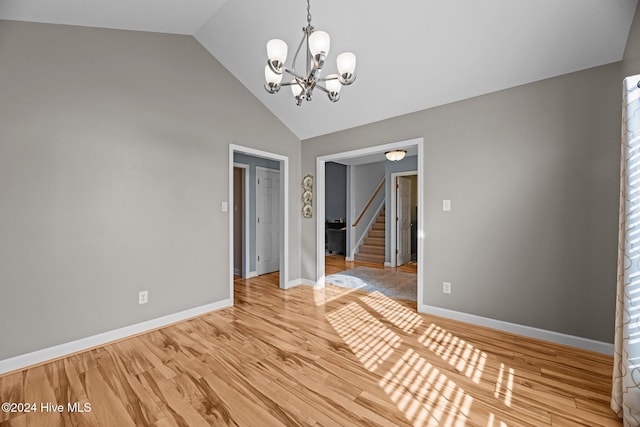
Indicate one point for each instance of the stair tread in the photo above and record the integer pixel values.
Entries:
(376, 241)
(372, 248)
(369, 249)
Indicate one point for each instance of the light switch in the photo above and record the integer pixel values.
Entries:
(446, 205)
(224, 207)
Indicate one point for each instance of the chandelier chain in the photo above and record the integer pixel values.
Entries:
(308, 12)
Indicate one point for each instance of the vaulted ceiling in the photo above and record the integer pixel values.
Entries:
(412, 54)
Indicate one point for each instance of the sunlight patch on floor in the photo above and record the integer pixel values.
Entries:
(329, 293)
(424, 394)
(493, 423)
(457, 352)
(370, 340)
(396, 313)
(422, 391)
(504, 384)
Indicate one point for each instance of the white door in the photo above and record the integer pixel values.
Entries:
(267, 220)
(403, 220)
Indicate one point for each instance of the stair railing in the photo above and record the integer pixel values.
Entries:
(375, 193)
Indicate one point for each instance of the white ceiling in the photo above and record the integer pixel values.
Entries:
(162, 16)
(412, 54)
(412, 150)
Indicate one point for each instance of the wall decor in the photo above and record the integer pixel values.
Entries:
(307, 182)
(306, 211)
(307, 196)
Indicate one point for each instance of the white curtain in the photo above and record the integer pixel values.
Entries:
(626, 369)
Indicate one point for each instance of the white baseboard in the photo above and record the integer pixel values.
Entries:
(298, 282)
(387, 264)
(46, 354)
(251, 274)
(349, 258)
(527, 331)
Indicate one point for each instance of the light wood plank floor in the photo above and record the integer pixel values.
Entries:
(336, 263)
(319, 358)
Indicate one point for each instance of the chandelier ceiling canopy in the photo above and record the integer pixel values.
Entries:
(316, 44)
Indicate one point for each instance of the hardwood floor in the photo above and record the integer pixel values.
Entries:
(336, 263)
(319, 358)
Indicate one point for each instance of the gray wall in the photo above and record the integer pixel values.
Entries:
(532, 173)
(252, 162)
(336, 191)
(631, 62)
(113, 164)
(409, 163)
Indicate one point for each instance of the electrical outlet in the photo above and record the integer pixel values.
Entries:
(143, 297)
(446, 287)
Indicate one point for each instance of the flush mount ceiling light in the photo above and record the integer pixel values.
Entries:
(317, 48)
(395, 155)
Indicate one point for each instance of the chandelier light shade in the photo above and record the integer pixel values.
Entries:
(333, 87)
(296, 90)
(277, 53)
(346, 66)
(395, 155)
(317, 45)
(273, 79)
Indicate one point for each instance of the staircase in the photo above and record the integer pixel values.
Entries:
(373, 245)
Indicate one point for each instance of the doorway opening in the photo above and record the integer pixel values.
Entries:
(267, 220)
(357, 196)
(263, 199)
(240, 211)
(404, 209)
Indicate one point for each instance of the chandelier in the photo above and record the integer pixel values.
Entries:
(317, 48)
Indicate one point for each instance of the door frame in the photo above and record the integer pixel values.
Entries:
(393, 259)
(320, 204)
(262, 168)
(245, 219)
(284, 206)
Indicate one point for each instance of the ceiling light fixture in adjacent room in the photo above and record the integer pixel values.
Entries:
(317, 48)
(395, 155)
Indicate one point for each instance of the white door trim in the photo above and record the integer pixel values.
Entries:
(320, 203)
(261, 168)
(284, 204)
(393, 260)
(245, 219)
